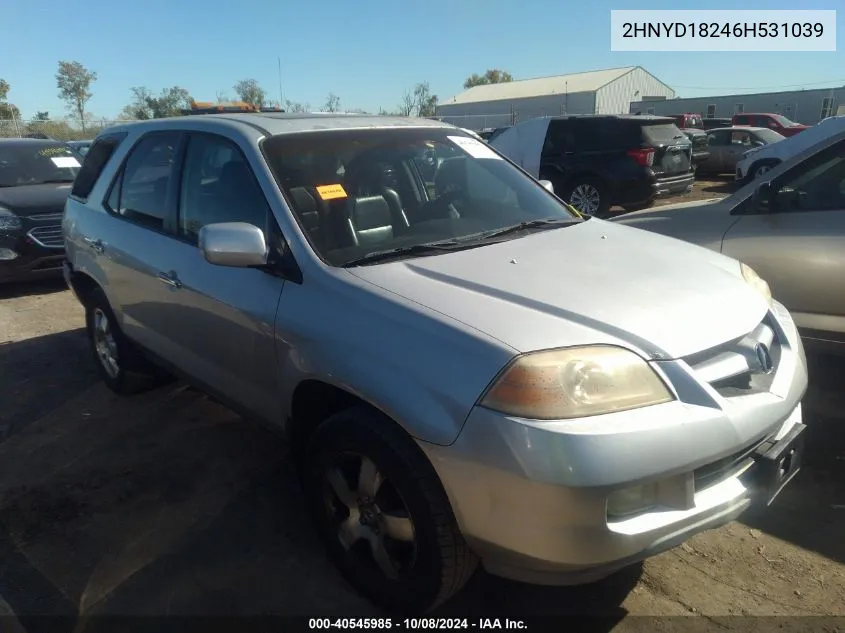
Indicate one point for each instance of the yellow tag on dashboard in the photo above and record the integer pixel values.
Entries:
(331, 192)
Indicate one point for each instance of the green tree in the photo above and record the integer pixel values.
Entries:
(492, 76)
(170, 102)
(42, 115)
(250, 92)
(4, 90)
(74, 83)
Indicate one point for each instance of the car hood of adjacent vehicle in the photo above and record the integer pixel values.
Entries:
(591, 283)
(30, 200)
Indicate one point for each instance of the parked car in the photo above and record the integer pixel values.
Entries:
(80, 146)
(729, 145)
(758, 161)
(595, 162)
(790, 226)
(776, 122)
(450, 393)
(710, 124)
(35, 179)
(693, 126)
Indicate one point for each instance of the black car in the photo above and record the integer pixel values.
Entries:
(598, 161)
(35, 180)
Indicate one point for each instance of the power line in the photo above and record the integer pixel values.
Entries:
(801, 85)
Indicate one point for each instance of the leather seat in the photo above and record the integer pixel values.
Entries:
(370, 220)
(305, 206)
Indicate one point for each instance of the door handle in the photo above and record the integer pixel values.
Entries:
(96, 245)
(170, 279)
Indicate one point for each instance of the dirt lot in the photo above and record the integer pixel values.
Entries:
(168, 503)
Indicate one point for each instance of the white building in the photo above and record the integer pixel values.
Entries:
(596, 92)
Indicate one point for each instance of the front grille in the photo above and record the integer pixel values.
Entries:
(48, 235)
(714, 472)
(743, 366)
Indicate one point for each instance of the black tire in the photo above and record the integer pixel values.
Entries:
(131, 373)
(436, 562)
(758, 169)
(596, 186)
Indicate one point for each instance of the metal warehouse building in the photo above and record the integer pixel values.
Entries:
(597, 92)
(802, 106)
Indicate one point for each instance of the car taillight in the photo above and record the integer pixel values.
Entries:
(643, 156)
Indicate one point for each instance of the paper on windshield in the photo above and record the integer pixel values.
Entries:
(64, 161)
(473, 147)
(331, 192)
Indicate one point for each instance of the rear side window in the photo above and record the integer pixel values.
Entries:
(95, 161)
(139, 193)
(662, 133)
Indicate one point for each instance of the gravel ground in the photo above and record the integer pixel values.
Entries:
(168, 503)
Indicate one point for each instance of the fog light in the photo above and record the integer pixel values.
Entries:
(7, 254)
(632, 500)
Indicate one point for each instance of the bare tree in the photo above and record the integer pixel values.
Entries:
(250, 92)
(221, 96)
(425, 103)
(4, 89)
(295, 106)
(332, 103)
(74, 83)
(406, 106)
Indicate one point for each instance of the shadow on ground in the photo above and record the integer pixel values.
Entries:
(718, 184)
(30, 288)
(40, 374)
(169, 504)
(810, 512)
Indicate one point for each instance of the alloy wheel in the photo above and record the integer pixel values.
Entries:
(105, 344)
(370, 518)
(585, 197)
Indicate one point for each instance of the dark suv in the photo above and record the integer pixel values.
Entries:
(598, 161)
(693, 126)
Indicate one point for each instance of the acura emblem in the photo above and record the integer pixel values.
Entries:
(764, 358)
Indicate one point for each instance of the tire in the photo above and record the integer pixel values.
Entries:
(587, 189)
(121, 366)
(760, 168)
(428, 559)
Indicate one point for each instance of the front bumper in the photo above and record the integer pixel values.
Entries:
(532, 497)
(34, 261)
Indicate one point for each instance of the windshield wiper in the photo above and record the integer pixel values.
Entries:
(54, 180)
(406, 251)
(551, 223)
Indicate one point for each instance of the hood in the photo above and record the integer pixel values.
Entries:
(657, 210)
(35, 199)
(591, 283)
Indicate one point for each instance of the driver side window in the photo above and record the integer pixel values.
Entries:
(817, 184)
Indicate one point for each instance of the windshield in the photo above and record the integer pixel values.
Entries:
(662, 133)
(782, 120)
(768, 136)
(24, 164)
(360, 192)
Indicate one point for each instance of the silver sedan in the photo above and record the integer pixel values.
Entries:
(729, 144)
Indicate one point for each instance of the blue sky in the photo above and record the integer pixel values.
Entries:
(366, 52)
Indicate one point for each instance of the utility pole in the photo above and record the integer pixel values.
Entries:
(281, 96)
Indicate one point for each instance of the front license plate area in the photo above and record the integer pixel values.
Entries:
(778, 462)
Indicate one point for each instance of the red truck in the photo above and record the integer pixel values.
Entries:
(776, 122)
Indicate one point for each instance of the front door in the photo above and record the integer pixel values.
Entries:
(222, 319)
(797, 241)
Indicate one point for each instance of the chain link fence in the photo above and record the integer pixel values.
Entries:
(58, 129)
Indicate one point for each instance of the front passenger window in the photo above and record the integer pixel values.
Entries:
(817, 184)
(218, 185)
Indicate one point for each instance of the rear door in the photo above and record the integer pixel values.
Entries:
(673, 150)
(798, 243)
(719, 145)
(133, 242)
(220, 320)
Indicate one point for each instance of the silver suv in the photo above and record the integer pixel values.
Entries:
(466, 368)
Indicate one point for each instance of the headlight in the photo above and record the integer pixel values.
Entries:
(575, 382)
(756, 282)
(9, 221)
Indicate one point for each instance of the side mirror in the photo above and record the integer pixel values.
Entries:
(548, 186)
(233, 244)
